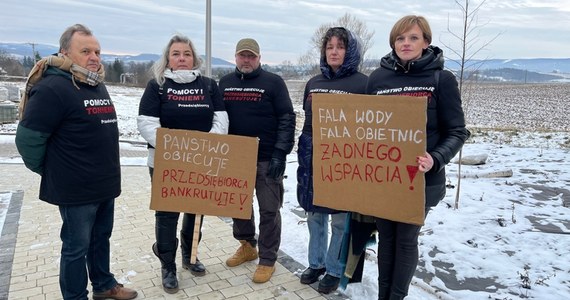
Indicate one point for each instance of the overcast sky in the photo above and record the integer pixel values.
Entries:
(283, 28)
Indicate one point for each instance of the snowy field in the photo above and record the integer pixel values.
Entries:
(510, 237)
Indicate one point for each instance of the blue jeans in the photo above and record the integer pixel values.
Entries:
(85, 250)
(321, 253)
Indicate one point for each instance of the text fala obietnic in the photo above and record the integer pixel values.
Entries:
(365, 149)
(200, 164)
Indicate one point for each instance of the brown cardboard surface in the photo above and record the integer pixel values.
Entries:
(204, 173)
(364, 154)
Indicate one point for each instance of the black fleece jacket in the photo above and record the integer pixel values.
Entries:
(69, 135)
(258, 105)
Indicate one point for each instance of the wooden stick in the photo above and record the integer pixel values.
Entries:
(195, 238)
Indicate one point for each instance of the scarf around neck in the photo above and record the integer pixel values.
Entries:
(63, 63)
(182, 76)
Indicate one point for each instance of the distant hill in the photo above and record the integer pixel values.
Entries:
(22, 49)
(519, 70)
(510, 70)
(517, 75)
(541, 65)
(499, 70)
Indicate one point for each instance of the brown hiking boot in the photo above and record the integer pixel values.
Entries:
(263, 273)
(118, 292)
(246, 252)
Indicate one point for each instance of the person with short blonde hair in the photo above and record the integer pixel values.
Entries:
(407, 22)
(414, 64)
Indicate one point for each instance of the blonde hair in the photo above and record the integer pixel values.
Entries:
(160, 65)
(406, 23)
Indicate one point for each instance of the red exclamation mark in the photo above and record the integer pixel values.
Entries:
(242, 199)
(412, 171)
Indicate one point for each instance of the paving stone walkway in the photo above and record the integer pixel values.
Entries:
(30, 248)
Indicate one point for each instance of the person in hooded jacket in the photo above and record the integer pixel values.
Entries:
(414, 64)
(164, 104)
(340, 57)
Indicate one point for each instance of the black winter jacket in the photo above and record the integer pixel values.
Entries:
(445, 128)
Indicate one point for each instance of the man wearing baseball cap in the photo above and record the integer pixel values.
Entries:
(247, 45)
(258, 105)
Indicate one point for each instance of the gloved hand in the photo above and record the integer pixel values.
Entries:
(276, 168)
(277, 165)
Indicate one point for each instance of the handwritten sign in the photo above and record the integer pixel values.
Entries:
(364, 154)
(204, 173)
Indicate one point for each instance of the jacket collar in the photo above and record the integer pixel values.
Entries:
(431, 59)
(251, 75)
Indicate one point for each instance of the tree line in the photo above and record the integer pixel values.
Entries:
(131, 73)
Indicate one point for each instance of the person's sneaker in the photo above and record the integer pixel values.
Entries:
(263, 273)
(197, 269)
(246, 252)
(328, 284)
(119, 292)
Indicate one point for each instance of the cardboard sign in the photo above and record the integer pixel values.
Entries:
(364, 154)
(204, 173)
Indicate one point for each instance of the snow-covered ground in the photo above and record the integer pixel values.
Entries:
(510, 237)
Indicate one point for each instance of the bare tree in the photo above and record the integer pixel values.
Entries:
(348, 21)
(10, 64)
(309, 60)
(469, 41)
(470, 44)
